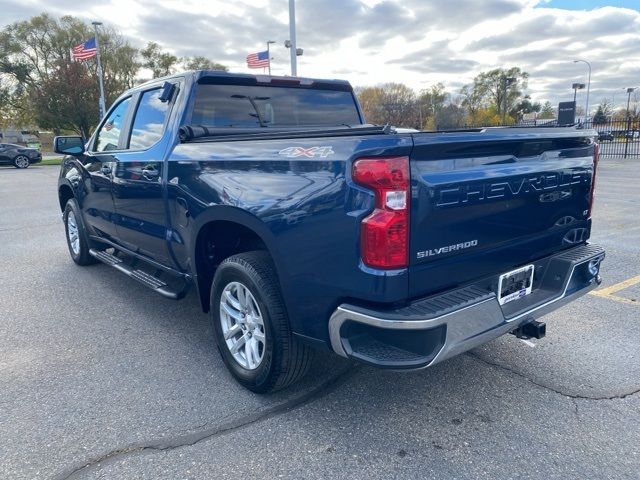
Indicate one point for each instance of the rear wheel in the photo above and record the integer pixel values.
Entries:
(251, 326)
(77, 238)
(21, 161)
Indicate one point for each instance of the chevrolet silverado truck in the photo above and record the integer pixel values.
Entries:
(301, 227)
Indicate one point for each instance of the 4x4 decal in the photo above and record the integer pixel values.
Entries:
(311, 152)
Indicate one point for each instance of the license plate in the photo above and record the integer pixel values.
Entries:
(515, 284)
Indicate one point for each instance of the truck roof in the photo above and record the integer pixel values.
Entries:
(262, 79)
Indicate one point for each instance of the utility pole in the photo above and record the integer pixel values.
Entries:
(269, 42)
(292, 38)
(101, 104)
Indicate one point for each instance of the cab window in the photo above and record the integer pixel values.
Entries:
(109, 134)
(149, 121)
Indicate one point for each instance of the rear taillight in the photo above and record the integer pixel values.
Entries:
(384, 235)
(596, 159)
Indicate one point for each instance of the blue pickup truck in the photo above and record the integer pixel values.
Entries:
(301, 227)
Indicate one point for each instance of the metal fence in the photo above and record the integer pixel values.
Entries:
(617, 138)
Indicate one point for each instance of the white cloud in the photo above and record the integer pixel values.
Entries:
(417, 42)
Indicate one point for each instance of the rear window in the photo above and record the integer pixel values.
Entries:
(259, 106)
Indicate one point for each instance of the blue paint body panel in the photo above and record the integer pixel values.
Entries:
(514, 195)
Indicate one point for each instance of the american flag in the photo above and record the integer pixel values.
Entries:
(258, 60)
(85, 50)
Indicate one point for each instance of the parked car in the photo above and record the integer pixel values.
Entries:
(301, 227)
(605, 137)
(18, 156)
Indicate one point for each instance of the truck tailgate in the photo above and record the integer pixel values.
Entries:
(486, 202)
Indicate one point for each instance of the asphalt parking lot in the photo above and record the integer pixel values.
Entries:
(101, 378)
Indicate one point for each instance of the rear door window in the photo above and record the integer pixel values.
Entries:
(148, 125)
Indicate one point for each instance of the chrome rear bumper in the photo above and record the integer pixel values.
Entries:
(433, 329)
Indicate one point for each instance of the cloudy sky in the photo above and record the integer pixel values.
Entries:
(418, 42)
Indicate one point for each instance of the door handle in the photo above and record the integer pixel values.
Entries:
(105, 170)
(150, 173)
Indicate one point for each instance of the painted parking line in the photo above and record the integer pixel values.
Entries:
(609, 291)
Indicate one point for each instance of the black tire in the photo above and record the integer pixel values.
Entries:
(285, 359)
(21, 161)
(82, 256)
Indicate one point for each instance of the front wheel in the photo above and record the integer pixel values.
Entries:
(21, 161)
(251, 327)
(77, 238)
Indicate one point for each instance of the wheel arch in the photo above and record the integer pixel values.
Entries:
(220, 233)
(65, 193)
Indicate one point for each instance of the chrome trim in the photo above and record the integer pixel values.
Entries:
(467, 327)
(560, 297)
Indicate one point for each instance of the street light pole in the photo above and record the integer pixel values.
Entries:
(576, 87)
(628, 131)
(630, 90)
(269, 42)
(101, 104)
(292, 38)
(586, 112)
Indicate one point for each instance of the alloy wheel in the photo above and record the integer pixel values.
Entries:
(22, 161)
(242, 325)
(72, 233)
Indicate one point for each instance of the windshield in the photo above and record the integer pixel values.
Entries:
(272, 106)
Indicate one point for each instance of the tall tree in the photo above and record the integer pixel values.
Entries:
(160, 63)
(392, 103)
(430, 102)
(369, 99)
(524, 106)
(492, 86)
(473, 101)
(449, 117)
(398, 105)
(599, 118)
(67, 100)
(202, 63)
(607, 106)
(5, 104)
(120, 64)
(547, 111)
(35, 63)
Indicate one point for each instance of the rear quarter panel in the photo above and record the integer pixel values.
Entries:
(304, 207)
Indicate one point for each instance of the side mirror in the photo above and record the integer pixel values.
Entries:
(70, 145)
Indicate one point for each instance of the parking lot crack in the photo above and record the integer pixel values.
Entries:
(26, 227)
(552, 389)
(197, 436)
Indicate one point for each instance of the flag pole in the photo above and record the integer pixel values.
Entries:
(101, 105)
(269, 42)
